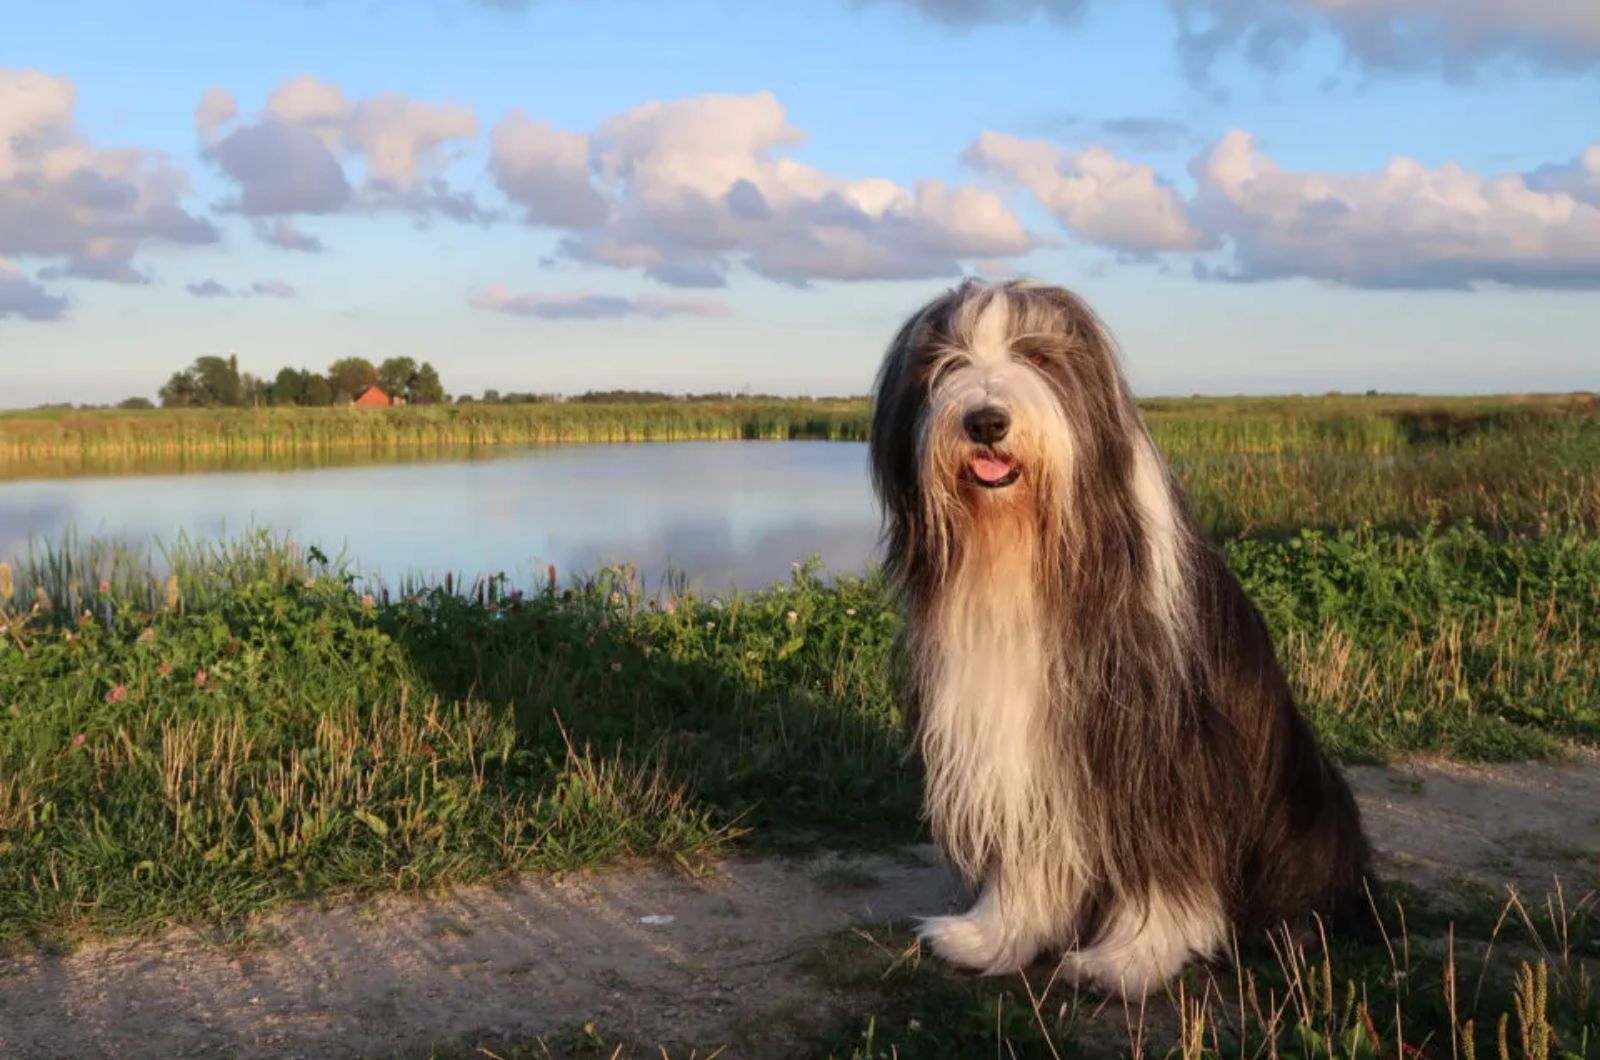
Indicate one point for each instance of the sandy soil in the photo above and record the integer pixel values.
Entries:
(652, 955)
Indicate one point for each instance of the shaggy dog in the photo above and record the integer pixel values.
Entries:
(1112, 752)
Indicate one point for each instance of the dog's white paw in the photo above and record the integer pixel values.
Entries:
(1117, 973)
(977, 941)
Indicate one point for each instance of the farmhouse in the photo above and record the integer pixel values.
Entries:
(373, 398)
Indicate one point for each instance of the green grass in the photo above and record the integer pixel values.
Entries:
(201, 734)
(1496, 977)
(257, 727)
(1331, 425)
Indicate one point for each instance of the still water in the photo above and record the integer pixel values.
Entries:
(724, 513)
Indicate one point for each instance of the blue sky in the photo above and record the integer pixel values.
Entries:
(556, 195)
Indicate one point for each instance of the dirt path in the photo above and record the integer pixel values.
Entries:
(648, 953)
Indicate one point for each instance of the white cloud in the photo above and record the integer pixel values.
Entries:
(86, 210)
(1450, 36)
(1092, 192)
(21, 297)
(588, 306)
(1579, 178)
(685, 190)
(272, 289)
(1402, 226)
(546, 171)
(292, 158)
(209, 288)
(283, 233)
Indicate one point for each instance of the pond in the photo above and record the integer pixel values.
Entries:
(722, 513)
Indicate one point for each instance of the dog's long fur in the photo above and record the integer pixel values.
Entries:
(1111, 749)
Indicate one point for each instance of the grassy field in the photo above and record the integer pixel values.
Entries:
(260, 725)
(1325, 425)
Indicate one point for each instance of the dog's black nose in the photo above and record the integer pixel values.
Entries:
(987, 425)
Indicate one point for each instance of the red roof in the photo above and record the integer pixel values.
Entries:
(373, 398)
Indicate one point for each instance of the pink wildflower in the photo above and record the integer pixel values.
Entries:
(117, 694)
(199, 678)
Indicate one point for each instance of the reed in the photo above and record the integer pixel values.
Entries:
(1347, 426)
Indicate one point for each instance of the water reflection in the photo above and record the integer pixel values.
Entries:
(723, 512)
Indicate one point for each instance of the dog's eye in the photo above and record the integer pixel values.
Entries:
(1037, 356)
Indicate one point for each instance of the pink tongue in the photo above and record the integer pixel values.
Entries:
(989, 469)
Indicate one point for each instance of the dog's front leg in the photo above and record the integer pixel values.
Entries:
(996, 936)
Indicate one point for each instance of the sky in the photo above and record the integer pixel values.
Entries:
(1259, 196)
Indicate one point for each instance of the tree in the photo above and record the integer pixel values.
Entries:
(491, 397)
(289, 387)
(253, 391)
(318, 391)
(350, 376)
(180, 392)
(217, 380)
(136, 403)
(426, 388)
(395, 375)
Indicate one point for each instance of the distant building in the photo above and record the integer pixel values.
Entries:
(373, 398)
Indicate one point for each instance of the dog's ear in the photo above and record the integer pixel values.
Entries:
(896, 401)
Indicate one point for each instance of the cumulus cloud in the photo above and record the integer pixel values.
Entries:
(546, 171)
(685, 190)
(1579, 178)
(86, 210)
(1092, 192)
(586, 306)
(1402, 226)
(295, 156)
(21, 297)
(283, 233)
(1449, 36)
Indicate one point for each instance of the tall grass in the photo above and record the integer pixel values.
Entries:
(202, 734)
(1447, 978)
(26, 437)
(1348, 426)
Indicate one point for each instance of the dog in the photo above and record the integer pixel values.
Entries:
(1114, 760)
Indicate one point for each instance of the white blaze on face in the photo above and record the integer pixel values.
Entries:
(981, 370)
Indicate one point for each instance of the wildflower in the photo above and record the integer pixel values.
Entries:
(200, 678)
(670, 607)
(105, 586)
(164, 668)
(310, 583)
(795, 567)
(716, 605)
(117, 694)
(80, 739)
(147, 635)
(616, 598)
(427, 749)
(791, 618)
(367, 601)
(850, 611)
(616, 668)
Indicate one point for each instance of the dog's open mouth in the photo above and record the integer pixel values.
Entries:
(992, 471)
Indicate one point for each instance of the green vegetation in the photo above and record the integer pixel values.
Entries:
(1499, 979)
(1299, 429)
(27, 438)
(204, 733)
(216, 382)
(260, 725)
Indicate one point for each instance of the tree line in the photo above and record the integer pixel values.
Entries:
(216, 382)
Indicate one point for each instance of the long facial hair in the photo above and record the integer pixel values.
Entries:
(1065, 596)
